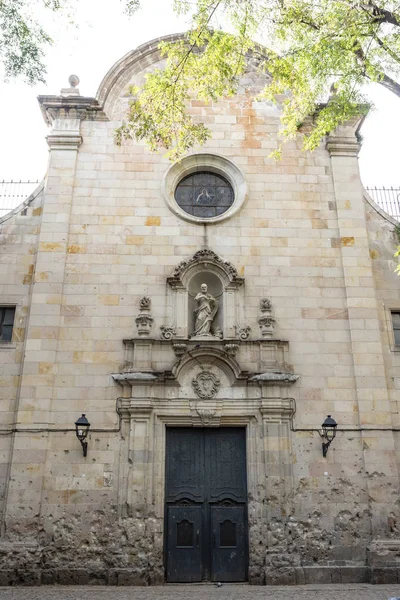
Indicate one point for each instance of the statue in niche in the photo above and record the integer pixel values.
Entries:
(207, 308)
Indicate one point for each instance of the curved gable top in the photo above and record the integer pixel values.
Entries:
(133, 62)
(204, 259)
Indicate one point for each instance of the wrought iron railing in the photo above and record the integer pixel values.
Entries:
(13, 193)
(388, 199)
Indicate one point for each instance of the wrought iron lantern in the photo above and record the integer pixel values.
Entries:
(82, 427)
(328, 433)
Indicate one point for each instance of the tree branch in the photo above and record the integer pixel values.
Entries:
(310, 24)
(382, 44)
(382, 15)
(390, 84)
(386, 81)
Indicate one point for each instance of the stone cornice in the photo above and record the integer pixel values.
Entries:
(70, 107)
(127, 406)
(64, 142)
(132, 378)
(194, 343)
(65, 134)
(136, 377)
(275, 377)
(342, 146)
(276, 409)
(219, 352)
(344, 141)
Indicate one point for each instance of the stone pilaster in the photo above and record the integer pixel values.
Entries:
(64, 140)
(39, 375)
(279, 563)
(139, 489)
(370, 385)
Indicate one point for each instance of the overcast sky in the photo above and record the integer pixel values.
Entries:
(103, 35)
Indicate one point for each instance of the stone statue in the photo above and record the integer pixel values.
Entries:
(207, 307)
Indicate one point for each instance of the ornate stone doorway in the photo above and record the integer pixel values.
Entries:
(203, 368)
(206, 505)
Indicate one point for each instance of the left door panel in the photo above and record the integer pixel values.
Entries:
(184, 562)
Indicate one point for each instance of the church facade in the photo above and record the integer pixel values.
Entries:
(205, 316)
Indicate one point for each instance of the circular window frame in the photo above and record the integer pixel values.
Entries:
(212, 163)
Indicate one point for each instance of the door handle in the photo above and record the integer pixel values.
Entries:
(197, 538)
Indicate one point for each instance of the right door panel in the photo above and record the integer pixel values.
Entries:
(228, 555)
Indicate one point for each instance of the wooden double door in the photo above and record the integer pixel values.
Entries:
(206, 505)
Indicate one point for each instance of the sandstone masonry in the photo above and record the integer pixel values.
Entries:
(103, 269)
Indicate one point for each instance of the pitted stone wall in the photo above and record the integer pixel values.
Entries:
(383, 242)
(106, 238)
(18, 249)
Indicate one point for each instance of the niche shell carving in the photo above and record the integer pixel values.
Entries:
(203, 256)
(206, 384)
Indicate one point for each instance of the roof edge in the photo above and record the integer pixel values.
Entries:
(127, 61)
(378, 209)
(24, 204)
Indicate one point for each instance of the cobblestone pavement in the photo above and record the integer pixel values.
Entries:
(204, 592)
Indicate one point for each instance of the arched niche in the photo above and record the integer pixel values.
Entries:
(223, 282)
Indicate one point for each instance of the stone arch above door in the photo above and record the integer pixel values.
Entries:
(208, 358)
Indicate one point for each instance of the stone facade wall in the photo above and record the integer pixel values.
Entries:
(104, 238)
(18, 250)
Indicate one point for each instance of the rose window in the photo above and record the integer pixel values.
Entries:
(204, 194)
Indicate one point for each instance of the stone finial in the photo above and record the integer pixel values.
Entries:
(144, 320)
(265, 304)
(266, 321)
(73, 81)
(145, 303)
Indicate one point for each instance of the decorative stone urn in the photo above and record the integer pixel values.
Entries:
(266, 321)
(144, 320)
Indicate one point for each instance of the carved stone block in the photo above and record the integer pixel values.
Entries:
(266, 321)
(167, 332)
(243, 333)
(179, 349)
(144, 320)
(231, 349)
